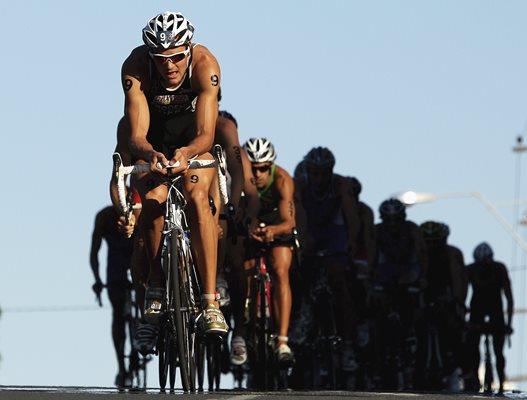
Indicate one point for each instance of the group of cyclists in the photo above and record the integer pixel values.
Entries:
(396, 289)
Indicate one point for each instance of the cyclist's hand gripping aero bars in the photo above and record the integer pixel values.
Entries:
(121, 171)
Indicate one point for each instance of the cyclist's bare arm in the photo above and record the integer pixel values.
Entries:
(460, 284)
(125, 223)
(206, 83)
(122, 147)
(368, 223)
(134, 80)
(350, 210)
(420, 249)
(286, 205)
(508, 294)
(227, 136)
(96, 241)
(301, 218)
(251, 193)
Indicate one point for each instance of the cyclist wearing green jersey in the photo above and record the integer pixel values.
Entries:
(277, 211)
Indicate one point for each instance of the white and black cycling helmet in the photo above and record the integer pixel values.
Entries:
(320, 157)
(483, 252)
(260, 150)
(167, 30)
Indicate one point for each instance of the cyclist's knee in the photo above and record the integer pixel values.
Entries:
(281, 273)
(199, 200)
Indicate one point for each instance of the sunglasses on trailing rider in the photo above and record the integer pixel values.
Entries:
(263, 168)
(173, 58)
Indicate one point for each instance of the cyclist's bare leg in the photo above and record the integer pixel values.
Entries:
(498, 342)
(341, 300)
(154, 195)
(237, 283)
(117, 298)
(281, 258)
(204, 239)
(139, 271)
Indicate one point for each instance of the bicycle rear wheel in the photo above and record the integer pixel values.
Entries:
(263, 337)
(184, 306)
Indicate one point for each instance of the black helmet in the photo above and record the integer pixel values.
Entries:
(356, 186)
(320, 157)
(435, 231)
(483, 252)
(391, 209)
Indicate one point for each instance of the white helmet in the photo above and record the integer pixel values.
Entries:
(260, 150)
(167, 30)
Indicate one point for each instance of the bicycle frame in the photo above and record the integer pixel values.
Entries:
(261, 323)
(182, 289)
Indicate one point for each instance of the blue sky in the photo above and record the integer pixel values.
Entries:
(422, 95)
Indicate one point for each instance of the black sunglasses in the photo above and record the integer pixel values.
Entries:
(263, 168)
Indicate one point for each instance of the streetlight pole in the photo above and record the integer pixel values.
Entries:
(410, 198)
(519, 149)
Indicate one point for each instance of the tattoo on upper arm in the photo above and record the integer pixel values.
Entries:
(237, 153)
(194, 179)
(214, 80)
(127, 84)
(290, 207)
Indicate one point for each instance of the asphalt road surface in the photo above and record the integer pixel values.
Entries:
(78, 393)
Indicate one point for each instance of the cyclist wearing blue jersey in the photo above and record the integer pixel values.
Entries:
(329, 208)
(171, 88)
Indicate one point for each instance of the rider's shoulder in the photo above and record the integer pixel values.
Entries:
(456, 254)
(412, 226)
(137, 62)
(202, 59)
(365, 210)
(106, 214)
(281, 173)
(282, 177)
(342, 185)
(456, 251)
(137, 55)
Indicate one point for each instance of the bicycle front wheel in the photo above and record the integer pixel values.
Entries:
(183, 313)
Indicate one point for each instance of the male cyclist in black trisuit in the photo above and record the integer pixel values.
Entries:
(444, 297)
(489, 280)
(329, 207)
(399, 275)
(277, 211)
(171, 89)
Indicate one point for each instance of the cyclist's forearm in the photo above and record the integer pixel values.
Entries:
(283, 228)
(141, 148)
(199, 146)
(114, 196)
(95, 269)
